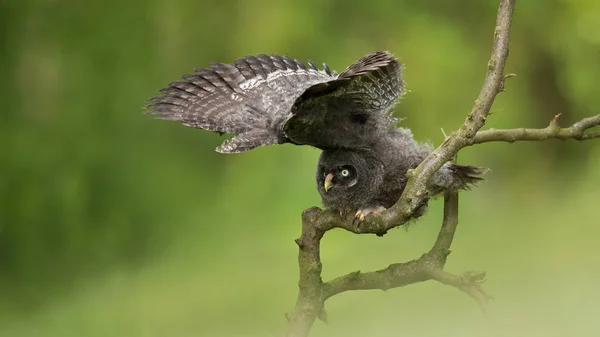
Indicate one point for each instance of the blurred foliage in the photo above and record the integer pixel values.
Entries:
(115, 224)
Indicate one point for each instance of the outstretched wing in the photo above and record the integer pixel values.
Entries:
(351, 110)
(251, 98)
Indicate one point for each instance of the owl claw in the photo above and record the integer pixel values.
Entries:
(362, 213)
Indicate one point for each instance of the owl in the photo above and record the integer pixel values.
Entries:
(271, 99)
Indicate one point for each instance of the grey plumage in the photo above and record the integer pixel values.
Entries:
(267, 100)
(252, 99)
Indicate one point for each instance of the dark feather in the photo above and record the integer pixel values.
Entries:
(271, 99)
(347, 111)
(251, 98)
(467, 175)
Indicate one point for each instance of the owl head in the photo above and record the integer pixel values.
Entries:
(347, 178)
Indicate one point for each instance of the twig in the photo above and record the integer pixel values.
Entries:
(469, 283)
(576, 131)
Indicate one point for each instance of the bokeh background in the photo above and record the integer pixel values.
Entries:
(116, 224)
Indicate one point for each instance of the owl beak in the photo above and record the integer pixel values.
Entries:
(328, 182)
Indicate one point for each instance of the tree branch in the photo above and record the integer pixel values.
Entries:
(553, 130)
(428, 267)
(313, 292)
(309, 303)
(401, 274)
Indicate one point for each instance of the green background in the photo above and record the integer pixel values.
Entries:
(116, 224)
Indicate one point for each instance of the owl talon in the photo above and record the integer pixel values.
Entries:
(362, 213)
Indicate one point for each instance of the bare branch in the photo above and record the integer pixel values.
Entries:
(402, 274)
(469, 283)
(441, 248)
(309, 303)
(475, 120)
(576, 131)
(430, 266)
(586, 123)
(394, 276)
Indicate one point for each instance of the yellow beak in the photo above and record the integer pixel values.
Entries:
(327, 184)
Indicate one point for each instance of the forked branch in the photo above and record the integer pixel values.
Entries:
(430, 266)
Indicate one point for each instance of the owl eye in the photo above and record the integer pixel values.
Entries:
(345, 173)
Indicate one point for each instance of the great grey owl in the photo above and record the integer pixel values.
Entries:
(270, 99)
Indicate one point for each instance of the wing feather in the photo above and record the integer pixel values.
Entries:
(271, 99)
(251, 98)
(349, 110)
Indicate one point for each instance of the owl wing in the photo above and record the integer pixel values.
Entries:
(352, 110)
(251, 98)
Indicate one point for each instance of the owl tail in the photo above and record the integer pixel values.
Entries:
(455, 177)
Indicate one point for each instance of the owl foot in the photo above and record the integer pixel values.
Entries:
(362, 213)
